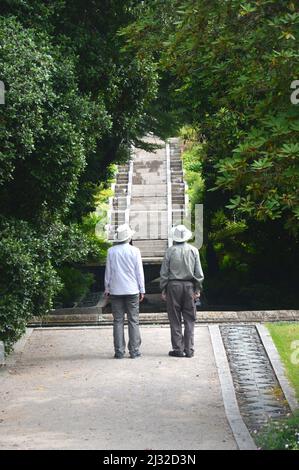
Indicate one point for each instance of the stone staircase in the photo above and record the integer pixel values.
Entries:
(148, 206)
(150, 196)
(178, 197)
(120, 202)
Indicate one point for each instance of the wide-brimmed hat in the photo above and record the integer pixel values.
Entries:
(180, 233)
(123, 233)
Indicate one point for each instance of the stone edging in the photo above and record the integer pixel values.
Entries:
(239, 429)
(278, 367)
(94, 315)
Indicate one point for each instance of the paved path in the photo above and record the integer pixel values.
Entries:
(67, 392)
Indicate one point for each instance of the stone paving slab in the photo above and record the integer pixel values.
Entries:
(67, 392)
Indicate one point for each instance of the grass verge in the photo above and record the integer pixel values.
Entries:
(284, 433)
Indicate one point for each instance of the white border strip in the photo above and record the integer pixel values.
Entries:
(110, 210)
(169, 201)
(129, 187)
(239, 429)
(278, 367)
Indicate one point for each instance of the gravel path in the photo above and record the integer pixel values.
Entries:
(67, 392)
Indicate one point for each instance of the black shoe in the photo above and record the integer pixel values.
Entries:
(189, 353)
(135, 355)
(176, 354)
(118, 356)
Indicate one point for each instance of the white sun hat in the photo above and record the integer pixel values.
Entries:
(180, 233)
(123, 233)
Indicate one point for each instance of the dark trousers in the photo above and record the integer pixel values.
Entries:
(128, 304)
(180, 304)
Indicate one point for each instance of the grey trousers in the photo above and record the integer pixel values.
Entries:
(180, 303)
(129, 304)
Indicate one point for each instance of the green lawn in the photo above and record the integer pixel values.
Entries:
(284, 433)
(286, 339)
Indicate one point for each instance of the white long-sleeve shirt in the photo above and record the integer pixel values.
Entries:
(124, 271)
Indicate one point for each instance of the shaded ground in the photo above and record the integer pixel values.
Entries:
(67, 392)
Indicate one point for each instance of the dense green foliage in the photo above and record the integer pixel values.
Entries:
(75, 285)
(74, 103)
(232, 64)
(86, 79)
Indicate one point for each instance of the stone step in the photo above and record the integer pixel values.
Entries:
(117, 222)
(178, 201)
(120, 205)
(151, 200)
(149, 190)
(120, 202)
(161, 170)
(178, 192)
(143, 216)
(177, 179)
(146, 180)
(150, 206)
(120, 191)
(176, 167)
(149, 230)
(150, 163)
(151, 244)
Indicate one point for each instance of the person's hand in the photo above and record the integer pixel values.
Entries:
(163, 295)
(196, 295)
(141, 297)
(106, 293)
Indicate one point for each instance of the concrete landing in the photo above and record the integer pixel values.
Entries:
(67, 392)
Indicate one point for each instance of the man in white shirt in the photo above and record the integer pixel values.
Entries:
(124, 283)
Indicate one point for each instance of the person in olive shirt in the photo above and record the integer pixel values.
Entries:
(181, 279)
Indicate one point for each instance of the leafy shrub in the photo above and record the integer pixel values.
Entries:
(280, 435)
(28, 280)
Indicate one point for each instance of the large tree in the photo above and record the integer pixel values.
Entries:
(74, 103)
(233, 63)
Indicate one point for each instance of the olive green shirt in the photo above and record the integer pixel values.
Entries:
(181, 261)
